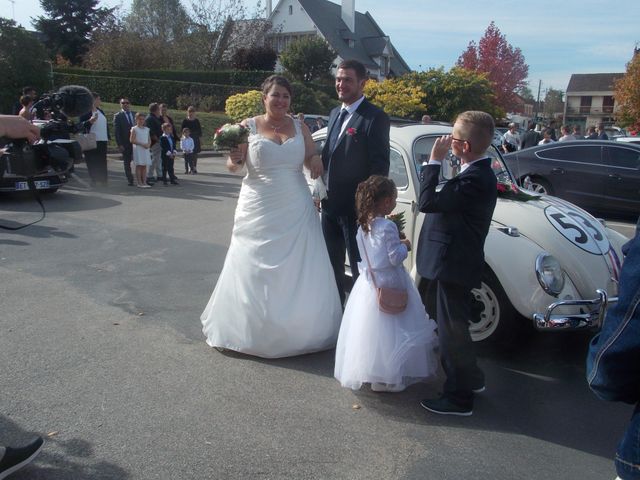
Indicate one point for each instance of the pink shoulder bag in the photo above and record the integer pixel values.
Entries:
(390, 300)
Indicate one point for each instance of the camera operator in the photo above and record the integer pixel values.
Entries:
(11, 458)
(18, 127)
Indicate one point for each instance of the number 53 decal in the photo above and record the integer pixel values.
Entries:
(580, 230)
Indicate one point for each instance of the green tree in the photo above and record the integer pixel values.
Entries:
(396, 97)
(526, 93)
(22, 62)
(256, 58)
(308, 59)
(244, 105)
(69, 24)
(627, 94)
(553, 102)
(163, 20)
(447, 94)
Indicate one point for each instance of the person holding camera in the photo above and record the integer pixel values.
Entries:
(96, 122)
(14, 458)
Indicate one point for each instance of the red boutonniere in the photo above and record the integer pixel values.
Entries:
(351, 131)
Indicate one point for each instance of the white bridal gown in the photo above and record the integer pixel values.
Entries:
(276, 295)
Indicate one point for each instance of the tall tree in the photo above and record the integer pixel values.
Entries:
(308, 59)
(447, 94)
(396, 97)
(627, 94)
(22, 62)
(163, 20)
(68, 25)
(503, 64)
(553, 102)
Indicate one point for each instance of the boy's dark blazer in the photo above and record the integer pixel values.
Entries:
(165, 147)
(451, 243)
(361, 150)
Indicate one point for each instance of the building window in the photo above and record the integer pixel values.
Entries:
(607, 104)
(290, 9)
(585, 105)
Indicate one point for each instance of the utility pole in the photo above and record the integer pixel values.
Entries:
(13, 9)
(535, 115)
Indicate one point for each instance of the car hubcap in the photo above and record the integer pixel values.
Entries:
(536, 187)
(486, 313)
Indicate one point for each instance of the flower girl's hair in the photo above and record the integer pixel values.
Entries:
(368, 194)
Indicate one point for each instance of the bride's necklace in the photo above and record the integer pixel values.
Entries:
(273, 127)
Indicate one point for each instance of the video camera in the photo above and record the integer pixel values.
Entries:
(56, 150)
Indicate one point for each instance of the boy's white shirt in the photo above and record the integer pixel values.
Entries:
(186, 144)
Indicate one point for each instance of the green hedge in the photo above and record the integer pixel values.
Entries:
(145, 91)
(227, 77)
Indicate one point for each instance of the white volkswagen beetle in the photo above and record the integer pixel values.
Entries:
(546, 259)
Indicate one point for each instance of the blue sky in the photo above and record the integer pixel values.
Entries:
(557, 38)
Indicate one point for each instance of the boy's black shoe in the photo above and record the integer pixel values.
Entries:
(444, 406)
(165, 183)
(174, 182)
(16, 458)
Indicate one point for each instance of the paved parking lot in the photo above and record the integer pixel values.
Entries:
(101, 352)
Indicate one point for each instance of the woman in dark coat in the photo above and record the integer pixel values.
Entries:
(193, 124)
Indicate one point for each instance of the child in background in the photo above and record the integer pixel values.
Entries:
(168, 154)
(141, 141)
(390, 351)
(27, 102)
(187, 145)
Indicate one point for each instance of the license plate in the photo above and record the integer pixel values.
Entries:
(40, 185)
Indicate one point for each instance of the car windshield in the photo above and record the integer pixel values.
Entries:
(422, 152)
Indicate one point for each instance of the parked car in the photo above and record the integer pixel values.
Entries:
(538, 252)
(635, 139)
(46, 177)
(600, 176)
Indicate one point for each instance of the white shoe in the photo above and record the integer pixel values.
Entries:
(385, 387)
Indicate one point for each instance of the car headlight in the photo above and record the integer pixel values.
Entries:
(550, 274)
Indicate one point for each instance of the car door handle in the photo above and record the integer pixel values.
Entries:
(615, 176)
(557, 170)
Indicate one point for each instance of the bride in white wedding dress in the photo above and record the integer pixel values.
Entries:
(276, 295)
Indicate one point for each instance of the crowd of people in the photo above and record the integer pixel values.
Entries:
(537, 134)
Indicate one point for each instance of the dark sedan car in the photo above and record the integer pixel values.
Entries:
(595, 175)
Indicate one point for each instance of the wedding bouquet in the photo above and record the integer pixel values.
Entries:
(229, 136)
(399, 220)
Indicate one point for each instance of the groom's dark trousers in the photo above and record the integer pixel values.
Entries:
(360, 151)
(451, 253)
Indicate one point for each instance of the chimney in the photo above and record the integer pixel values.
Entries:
(349, 14)
(268, 8)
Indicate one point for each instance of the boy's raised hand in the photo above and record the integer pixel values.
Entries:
(441, 147)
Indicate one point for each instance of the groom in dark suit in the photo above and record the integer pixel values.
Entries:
(357, 147)
(451, 251)
(122, 123)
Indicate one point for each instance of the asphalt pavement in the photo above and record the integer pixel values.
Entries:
(102, 353)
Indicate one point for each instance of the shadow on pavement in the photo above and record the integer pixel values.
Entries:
(59, 459)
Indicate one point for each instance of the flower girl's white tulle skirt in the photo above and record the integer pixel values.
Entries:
(377, 347)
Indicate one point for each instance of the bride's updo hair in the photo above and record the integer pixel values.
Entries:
(276, 80)
(368, 194)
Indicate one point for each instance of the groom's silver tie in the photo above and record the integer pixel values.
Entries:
(335, 131)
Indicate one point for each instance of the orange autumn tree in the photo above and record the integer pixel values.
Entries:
(503, 65)
(627, 94)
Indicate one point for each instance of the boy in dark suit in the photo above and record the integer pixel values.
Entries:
(451, 251)
(357, 147)
(168, 154)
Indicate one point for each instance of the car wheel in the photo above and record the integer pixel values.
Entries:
(539, 185)
(494, 319)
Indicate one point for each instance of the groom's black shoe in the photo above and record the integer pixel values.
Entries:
(479, 388)
(445, 406)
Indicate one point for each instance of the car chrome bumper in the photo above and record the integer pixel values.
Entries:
(592, 319)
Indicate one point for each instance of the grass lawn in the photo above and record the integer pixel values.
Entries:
(209, 121)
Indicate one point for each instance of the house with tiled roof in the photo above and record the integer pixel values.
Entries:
(351, 34)
(590, 100)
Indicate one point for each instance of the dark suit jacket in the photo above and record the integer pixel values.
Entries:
(356, 156)
(451, 243)
(165, 146)
(530, 139)
(155, 127)
(122, 128)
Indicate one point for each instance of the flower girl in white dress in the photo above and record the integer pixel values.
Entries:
(390, 351)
